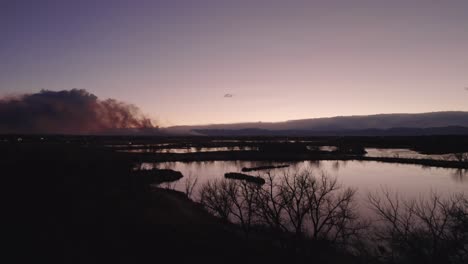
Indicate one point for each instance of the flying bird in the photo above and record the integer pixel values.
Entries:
(228, 95)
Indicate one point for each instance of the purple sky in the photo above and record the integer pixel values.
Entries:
(280, 60)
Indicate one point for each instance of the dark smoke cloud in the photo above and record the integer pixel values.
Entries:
(69, 112)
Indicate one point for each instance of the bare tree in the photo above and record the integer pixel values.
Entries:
(232, 200)
(190, 183)
(459, 229)
(215, 196)
(293, 192)
(332, 210)
(429, 230)
(244, 197)
(299, 203)
(270, 204)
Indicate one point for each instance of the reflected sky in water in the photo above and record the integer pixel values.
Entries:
(189, 150)
(406, 154)
(410, 181)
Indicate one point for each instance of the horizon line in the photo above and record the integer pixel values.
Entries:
(323, 117)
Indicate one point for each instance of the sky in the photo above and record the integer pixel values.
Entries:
(214, 61)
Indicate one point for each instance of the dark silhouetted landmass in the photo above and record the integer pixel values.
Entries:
(264, 168)
(70, 204)
(452, 130)
(157, 176)
(245, 177)
(435, 123)
(76, 200)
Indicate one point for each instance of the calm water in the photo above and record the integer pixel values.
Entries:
(188, 150)
(371, 152)
(405, 153)
(411, 181)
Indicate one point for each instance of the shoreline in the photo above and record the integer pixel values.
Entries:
(283, 157)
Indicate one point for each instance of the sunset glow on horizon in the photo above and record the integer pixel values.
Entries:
(205, 62)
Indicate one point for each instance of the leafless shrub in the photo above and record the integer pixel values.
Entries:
(216, 195)
(244, 197)
(233, 200)
(270, 204)
(332, 210)
(298, 203)
(190, 183)
(433, 230)
(293, 191)
(320, 207)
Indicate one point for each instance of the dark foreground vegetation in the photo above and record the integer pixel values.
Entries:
(71, 204)
(305, 213)
(73, 201)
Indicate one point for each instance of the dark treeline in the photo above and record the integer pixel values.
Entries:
(423, 144)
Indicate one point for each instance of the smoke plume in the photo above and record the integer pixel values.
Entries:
(69, 112)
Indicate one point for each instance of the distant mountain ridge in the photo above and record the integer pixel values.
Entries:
(453, 130)
(434, 123)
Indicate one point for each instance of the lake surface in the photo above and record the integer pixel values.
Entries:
(410, 181)
(188, 150)
(371, 152)
(406, 154)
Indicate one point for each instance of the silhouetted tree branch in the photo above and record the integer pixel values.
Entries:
(432, 230)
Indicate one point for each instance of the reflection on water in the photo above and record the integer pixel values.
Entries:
(460, 175)
(371, 152)
(188, 150)
(264, 141)
(405, 153)
(130, 144)
(410, 181)
(328, 148)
